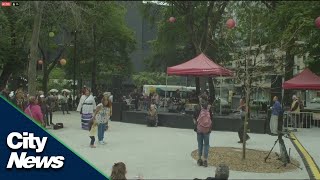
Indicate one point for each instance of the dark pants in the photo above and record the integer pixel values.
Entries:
(93, 139)
(136, 103)
(49, 118)
(240, 131)
(64, 107)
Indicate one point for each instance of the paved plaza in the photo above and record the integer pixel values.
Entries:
(165, 153)
(309, 138)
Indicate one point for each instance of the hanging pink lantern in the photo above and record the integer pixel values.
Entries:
(317, 22)
(172, 19)
(63, 62)
(40, 62)
(231, 23)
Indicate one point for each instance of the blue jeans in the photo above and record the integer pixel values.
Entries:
(203, 144)
(101, 129)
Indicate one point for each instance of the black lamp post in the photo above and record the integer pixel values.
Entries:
(74, 67)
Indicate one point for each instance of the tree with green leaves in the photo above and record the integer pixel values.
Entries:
(105, 45)
(14, 47)
(194, 32)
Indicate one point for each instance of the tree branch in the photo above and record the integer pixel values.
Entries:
(206, 27)
(53, 64)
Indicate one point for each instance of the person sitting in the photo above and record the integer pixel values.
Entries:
(222, 173)
(152, 117)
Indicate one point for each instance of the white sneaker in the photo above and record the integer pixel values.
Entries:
(102, 142)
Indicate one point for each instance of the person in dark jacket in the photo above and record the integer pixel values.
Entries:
(276, 112)
(44, 107)
(50, 101)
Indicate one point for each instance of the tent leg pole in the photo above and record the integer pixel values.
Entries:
(165, 94)
(220, 95)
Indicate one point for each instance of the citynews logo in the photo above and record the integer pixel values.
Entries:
(28, 141)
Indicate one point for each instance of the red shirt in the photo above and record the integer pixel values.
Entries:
(34, 112)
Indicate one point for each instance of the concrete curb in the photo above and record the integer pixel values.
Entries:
(311, 166)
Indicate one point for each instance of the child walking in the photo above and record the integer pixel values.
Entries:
(102, 116)
(92, 132)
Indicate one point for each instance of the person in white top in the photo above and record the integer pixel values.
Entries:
(86, 107)
(102, 116)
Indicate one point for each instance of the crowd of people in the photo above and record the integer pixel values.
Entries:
(95, 118)
(38, 107)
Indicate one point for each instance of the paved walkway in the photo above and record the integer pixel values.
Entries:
(161, 153)
(309, 139)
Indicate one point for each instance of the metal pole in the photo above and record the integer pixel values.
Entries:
(220, 94)
(165, 92)
(74, 67)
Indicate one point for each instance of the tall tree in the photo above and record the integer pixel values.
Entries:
(199, 19)
(38, 9)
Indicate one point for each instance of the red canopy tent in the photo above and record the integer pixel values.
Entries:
(199, 66)
(304, 80)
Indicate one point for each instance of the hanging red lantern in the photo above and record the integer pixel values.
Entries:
(172, 19)
(40, 62)
(63, 62)
(317, 22)
(230, 23)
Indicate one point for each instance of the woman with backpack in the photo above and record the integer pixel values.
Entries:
(203, 121)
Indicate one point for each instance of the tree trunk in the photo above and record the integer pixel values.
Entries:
(248, 89)
(5, 75)
(45, 79)
(32, 76)
(9, 67)
(211, 89)
(288, 75)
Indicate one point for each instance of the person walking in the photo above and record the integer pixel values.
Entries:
(64, 102)
(44, 107)
(276, 112)
(243, 111)
(203, 120)
(51, 102)
(102, 116)
(86, 107)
